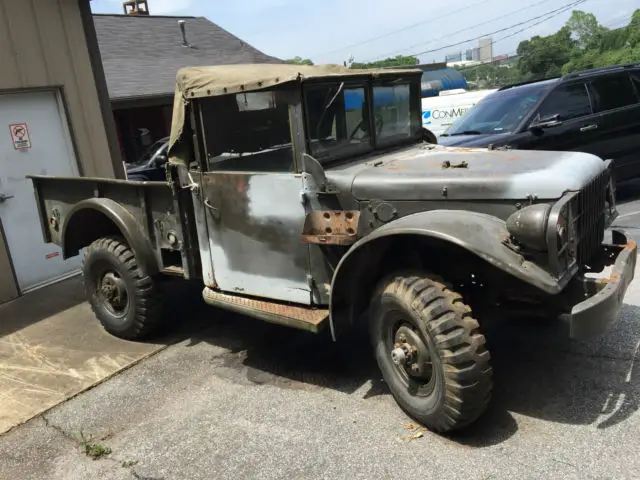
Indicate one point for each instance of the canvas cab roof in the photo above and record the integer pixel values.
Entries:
(209, 81)
(195, 82)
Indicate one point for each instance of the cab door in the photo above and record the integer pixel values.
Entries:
(576, 127)
(251, 197)
(618, 103)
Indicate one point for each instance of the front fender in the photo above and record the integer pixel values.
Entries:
(478, 233)
(121, 218)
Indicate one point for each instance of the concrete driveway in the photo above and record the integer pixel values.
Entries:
(247, 400)
(51, 348)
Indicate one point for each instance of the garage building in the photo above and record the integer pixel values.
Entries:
(55, 119)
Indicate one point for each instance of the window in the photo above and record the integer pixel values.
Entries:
(499, 112)
(337, 119)
(248, 131)
(570, 101)
(392, 112)
(613, 91)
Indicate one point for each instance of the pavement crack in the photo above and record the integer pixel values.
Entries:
(60, 430)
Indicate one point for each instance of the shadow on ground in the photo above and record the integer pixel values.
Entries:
(41, 304)
(538, 373)
(628, 191)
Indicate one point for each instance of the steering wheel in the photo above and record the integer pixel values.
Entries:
(379, 124)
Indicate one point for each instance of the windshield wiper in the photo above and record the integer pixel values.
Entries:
(467, 132)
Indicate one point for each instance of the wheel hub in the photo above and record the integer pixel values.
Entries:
(410, 353)
(114, 291)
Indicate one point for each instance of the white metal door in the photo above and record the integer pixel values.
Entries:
(34, 139)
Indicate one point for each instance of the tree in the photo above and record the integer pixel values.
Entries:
(545, 56)
(398, 61)
(300, 61)
(633, 30)
(585, 28)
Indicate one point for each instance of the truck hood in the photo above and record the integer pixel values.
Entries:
(428, 172)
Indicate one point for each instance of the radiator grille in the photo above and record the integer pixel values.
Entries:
(589, 211)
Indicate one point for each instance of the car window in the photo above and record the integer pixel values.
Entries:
(635, 78)
(337, 119)
(248, 131)
(613, 91)
(568, 101)
(392, 110)
(498, 112)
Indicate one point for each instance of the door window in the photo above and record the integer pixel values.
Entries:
(568, 102)
(248, 131)
(613, 91)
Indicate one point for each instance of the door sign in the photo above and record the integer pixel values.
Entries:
(20, 136)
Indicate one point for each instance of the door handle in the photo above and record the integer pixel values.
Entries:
(588, 128)
(4, 198)
(215, 213)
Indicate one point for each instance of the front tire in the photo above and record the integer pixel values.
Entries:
(430, 351)
(125, 300)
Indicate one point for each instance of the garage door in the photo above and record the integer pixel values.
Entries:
(34, 139)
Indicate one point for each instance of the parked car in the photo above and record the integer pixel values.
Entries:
(594, 111)
(441, 111)
(150, 165)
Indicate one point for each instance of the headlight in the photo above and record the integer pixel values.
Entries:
(528, 226)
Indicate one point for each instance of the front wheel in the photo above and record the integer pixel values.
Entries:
(430, 351)
(124, 299)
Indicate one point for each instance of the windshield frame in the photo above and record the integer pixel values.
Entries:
(543, 89)
(347, 151)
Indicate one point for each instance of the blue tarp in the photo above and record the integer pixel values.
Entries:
(355, 99)
(435, 81)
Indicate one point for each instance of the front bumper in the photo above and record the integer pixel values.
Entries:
(599, 311)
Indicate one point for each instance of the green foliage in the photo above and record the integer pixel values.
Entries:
(585, 28)
(398, 61)
(579, 45)
(633, 30)
(300, 61)
(545, 56)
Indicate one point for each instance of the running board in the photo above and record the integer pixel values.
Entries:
(309, 319)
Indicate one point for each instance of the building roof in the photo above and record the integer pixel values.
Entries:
(142, 54)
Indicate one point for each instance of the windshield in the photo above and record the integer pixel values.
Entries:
(150, 152)
(499, 112)
(340, 122)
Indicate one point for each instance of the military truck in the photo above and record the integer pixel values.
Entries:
(307, 196)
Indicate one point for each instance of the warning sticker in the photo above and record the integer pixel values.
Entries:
(20, 136)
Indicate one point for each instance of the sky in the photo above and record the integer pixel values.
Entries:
(332, 31)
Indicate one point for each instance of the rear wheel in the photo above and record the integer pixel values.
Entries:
(123, 298)
(430, 351)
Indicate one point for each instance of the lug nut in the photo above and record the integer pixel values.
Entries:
(398, 356)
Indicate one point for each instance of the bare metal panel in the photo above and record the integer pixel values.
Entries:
(254, 223)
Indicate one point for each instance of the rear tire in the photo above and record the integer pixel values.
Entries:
(125, 301)
(430, 351)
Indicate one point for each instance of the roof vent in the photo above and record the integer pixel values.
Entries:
(135, 7)
(183, 32)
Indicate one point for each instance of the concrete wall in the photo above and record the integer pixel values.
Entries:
(46, 43)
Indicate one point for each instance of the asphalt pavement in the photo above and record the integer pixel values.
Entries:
(242, 399)
(628, 202)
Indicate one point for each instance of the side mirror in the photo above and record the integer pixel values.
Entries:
(548, 121)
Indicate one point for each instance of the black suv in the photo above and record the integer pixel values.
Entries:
(594, 111)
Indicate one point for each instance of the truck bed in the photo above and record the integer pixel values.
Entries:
(74, 211)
